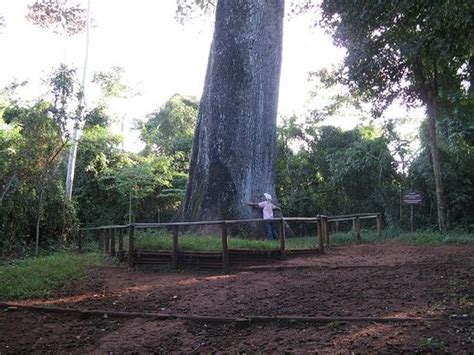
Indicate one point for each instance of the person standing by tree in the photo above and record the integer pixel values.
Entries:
(267, 209)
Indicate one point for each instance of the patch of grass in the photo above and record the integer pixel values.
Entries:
(235, 243)
(432, 344)
(367, 236)
(302, 242)
(39, 277)
(162, 240)
(335, 324)
(433, 238)
(418, 238)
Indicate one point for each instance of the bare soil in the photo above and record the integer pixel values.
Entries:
(383, 280)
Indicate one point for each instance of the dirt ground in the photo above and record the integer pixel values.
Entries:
(384, 280)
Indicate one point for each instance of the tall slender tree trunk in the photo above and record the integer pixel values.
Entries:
(71, 164)
(234, 148)
(433, 114)
(7, 188)
(38, 219)
(130, 207)
(427, 83)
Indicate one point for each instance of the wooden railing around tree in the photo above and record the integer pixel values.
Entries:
(108, 235)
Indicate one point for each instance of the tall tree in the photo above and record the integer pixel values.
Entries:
(66, 17)
(407, 49)
(235, 138)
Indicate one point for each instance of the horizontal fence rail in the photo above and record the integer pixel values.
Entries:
(107, 235)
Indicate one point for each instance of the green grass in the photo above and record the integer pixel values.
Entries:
(162, 240)
(302, 243)
(434, 238)
(39, 277)
(417, 238)
(349, 238)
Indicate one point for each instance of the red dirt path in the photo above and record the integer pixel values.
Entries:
(384, 280)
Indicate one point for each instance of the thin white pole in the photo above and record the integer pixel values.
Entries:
(71, 165)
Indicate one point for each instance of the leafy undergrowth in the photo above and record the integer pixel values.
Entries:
(39, 277)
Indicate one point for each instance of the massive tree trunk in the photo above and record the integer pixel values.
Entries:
(234, 148)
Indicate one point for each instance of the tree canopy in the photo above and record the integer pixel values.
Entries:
(417, 51)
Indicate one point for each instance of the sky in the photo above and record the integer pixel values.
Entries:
(160, 56)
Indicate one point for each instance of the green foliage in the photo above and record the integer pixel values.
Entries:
(40, 277)
(97, 117)
(64, 89)
(110, 184)
(10, 137)
(336, 172)
(418, 51)
(169, 131)
(457, 147)
(29, 187)
(393, 48)
(107, 177)
(140, 178)
(111, 82)
(98, 155)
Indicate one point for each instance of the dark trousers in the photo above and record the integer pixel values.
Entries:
(271, 231)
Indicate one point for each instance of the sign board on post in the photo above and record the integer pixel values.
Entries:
(412, 198)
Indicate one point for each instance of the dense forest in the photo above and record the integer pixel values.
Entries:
(320, 169)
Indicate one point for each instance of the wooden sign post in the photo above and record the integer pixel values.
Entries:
(412, 198)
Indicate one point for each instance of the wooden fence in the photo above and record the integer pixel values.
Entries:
(108, 235)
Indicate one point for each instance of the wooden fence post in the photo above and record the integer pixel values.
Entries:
(326, 230)
(319, 226)
(225, 248)
(101, 240)
(79, 240)
(379, 224)
(282, 238)
(131, 245)
(107, 241)
(120, 242)
(319, 234)
(175, 250)
(357, 227)
(112, 242)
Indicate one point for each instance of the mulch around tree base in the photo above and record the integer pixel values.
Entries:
(385, 280)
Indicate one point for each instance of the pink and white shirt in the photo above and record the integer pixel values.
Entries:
(267, 208)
